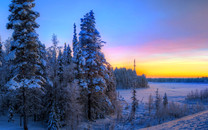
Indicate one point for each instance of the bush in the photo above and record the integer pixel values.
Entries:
(202, 95)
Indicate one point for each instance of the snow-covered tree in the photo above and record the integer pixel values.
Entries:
(125, 79)
(150, 103)
(53, 123)
(65, 54)
(52, 53)
(11, 114)
(157, 101)
(110, 91)
(2, 76)
(24, 51)
(91, 44)
(143, 81)
(68, 55)
(75, 42)
(134, 105)
(165, 100)
(79, 63)
(60, 68)
(7, 45)
(74, 110)
(25, 45)
(1, 53)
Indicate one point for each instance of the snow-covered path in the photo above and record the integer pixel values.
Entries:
(196, 121)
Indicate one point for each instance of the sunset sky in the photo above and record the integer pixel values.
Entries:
(168, 38)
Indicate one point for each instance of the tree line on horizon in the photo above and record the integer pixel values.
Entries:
(179, 80)
(128, 78)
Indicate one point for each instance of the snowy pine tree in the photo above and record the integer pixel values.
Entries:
(7, 45)
(25, 45)
(1, 54)
(53, 122)
(68, 55)
(74, 110)
(98, 102)
(65, 54)
(60, 67)
(75, 42)
(11, 114)
(79, 62)
(165, 100)
(24, 51)
(2, 74)
(150, 104)
(134, 105)
(157, 101)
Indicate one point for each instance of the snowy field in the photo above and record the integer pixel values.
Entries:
(175, 91)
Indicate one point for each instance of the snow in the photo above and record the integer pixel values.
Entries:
(11, 56)
(199, 121)
(5, 125)
(17, 22)
(97, 89)
(175, 91)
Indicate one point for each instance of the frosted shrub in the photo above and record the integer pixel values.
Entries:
(202, 95)
(177, 110)
(150, 104)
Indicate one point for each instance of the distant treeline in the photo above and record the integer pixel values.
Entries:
(180, 80)
(127, 78)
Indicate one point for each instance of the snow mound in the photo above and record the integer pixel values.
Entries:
(195, 121)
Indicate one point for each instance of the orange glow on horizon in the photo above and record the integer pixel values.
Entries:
(175, 68)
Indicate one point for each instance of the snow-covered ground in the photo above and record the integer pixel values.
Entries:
(196, 121)
(5, 125)
(175, 91)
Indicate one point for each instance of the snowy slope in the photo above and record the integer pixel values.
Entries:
(196, 121)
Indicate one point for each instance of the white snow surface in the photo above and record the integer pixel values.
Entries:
(196, 121)
(5, 125)
(175, 91)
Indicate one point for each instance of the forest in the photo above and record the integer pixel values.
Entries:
(52, 84)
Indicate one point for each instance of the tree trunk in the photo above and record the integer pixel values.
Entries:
(34, 116)
(24, 110)
(89, 107)
(20, 120)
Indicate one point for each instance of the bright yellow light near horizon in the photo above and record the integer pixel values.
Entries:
(178, 68)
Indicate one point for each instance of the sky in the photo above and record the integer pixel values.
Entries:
(168, 38)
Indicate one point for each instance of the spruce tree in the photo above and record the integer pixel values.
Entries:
(53, 122)
(11, 114)
(2, 76)
(134, 105)
(1, 54)
(24, 51)
(65, 55)
(98, 102)
(60, 67)
(68, 55)
(25, 45)
(165, 100)
(150, 104)
(157, 101)
(75, 42)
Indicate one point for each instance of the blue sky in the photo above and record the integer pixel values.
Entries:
(151, 31)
